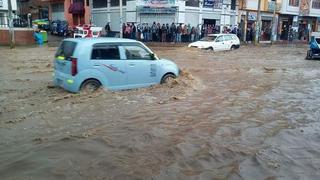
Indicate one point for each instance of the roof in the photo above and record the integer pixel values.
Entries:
(219, 34)
(315, 34)
(100, 40)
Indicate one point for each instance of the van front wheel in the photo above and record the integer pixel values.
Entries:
(90, 86)
(166, 78)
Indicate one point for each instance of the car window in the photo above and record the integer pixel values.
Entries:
(136, 53)
(105, 52)
(318, 40)
(228, 38)
(219, 39)
(66, 49)
(208, 38)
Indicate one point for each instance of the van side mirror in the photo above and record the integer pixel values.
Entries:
(153, 56)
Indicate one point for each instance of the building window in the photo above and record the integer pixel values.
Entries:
(192, 3)
(294, 3)
(233, 4)
(87, 2)
(316, 4)
(99, 3)
(116, 3)
(58, 7)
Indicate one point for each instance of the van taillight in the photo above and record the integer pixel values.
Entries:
(74, 69)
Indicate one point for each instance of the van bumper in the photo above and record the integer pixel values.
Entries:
(66, 81)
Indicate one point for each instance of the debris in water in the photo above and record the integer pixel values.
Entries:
(269, 70)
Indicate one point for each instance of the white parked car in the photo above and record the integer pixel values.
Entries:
(217, 42)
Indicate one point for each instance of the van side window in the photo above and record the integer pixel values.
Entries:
(66, 49)
(136, 53)
(105, 52)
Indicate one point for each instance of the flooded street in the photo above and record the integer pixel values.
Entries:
(252, 113)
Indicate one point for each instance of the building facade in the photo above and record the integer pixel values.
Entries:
(248, 11)
(293, 20)
(4, 11)
(76, 12)
(298, 18)
(194, 12)
(37, 9)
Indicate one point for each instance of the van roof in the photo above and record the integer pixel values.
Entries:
(100, 40)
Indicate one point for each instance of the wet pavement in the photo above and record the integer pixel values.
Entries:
(252, 113)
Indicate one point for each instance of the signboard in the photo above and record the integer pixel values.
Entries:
(252, 16)
(157, 10)
(157, 3)
(304, 7)
(215, 4)
(208, 3)
(271, 6)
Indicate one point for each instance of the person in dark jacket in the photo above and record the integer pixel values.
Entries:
(107, 29)
(164, 33)
(133, 31)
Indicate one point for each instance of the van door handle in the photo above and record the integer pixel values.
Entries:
(132, 64)
(96, 65)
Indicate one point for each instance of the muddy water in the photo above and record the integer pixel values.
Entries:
(248, 114)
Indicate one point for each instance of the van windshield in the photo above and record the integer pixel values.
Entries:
(66, 49)
(208, 38)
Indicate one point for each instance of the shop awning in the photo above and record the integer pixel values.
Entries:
(76, 8)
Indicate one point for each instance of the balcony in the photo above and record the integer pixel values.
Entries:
(76, 8)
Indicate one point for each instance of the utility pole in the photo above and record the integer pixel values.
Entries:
(274, 27)
(11, 30)
(121, 33)
(256, 40)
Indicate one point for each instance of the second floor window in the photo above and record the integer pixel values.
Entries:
(294, 3)
(116, 3)
(316, 4)
(233, 4)
(192, 3)
(99, 3)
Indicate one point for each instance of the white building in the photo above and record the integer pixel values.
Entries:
(193, 12)
(4, 11)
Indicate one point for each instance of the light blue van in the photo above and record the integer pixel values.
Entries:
(114, 63)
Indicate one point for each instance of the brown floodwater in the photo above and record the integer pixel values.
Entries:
(252, 113)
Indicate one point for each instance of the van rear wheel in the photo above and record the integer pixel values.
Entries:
(233, 47)
(90, 86)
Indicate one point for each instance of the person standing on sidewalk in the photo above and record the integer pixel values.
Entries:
(107, 29)
(133, 31)
(193, 32)
(178, 33)
(164, 33)
(173, 30)
(154, 31)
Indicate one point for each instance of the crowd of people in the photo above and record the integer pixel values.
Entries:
(177, 33)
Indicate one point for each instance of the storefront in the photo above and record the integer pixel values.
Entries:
(296, 27)
(162, 11)
(285, 23)
(193, 12)
(266, 26)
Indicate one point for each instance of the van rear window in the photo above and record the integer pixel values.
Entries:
(66, 49)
